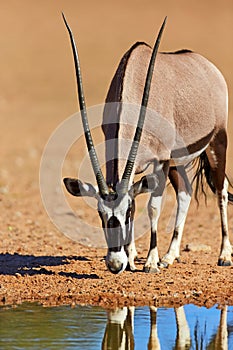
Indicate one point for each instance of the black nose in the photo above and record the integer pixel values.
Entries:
(114, 269)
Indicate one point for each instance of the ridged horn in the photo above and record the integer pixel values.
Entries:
(103, 188)
(137, 136)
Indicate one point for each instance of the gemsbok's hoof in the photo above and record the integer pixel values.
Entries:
(222, 262)
(131, 268)
(163, 264)
(166, 261)
(149, 269)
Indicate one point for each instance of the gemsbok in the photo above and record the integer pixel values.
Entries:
(164, 110)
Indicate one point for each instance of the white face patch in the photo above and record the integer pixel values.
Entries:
(117, 208)
(117, 224)
(85, 187)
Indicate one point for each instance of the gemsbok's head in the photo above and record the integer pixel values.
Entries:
(116, 206)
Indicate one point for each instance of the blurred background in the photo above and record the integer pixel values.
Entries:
(37, 86)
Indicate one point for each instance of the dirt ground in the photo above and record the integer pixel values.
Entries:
(37, 92)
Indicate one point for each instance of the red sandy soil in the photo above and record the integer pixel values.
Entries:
(37, 92)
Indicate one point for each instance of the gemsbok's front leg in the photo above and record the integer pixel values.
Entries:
(131, 252)
(183, 189)
(154, 210)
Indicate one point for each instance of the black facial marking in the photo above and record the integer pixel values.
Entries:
(113, 222)
(111, 197)
(114, 249)
(114, 234)
(127, 216)
(112, 226)
(102, 218)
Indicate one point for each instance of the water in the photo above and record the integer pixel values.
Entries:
(30, 326)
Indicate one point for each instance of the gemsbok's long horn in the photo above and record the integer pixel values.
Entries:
(137, 136)
(103, 188)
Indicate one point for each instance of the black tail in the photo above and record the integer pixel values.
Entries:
(204, 170)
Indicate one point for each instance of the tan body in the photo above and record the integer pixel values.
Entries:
(186, 117)
(187, 105)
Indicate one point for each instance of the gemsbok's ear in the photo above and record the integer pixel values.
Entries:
(79, 189)
(146, 184)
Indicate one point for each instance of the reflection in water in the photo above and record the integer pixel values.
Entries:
(31, 326)
(119, 332)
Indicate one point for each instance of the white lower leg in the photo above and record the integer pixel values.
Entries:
(174, 249)
(132, 252)
(226, 248)
(173, 253)
(132, 255)
(154, 209)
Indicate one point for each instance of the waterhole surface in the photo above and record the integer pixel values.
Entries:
(31, 326)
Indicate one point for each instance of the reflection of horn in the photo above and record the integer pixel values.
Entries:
(137, 136)
(103, 188)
